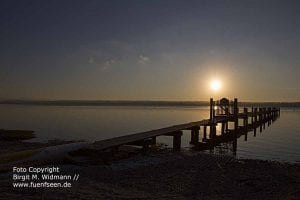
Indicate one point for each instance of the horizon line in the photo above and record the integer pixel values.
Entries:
(123, 100)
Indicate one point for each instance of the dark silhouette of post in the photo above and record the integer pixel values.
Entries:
(195, 135)
(204, 133)
(260, 119)
(252, 111)
(246, 118)
(246, 136)
(211, 108)
(212, 130)
(235, 114)
(255, 116)
(264, 117)
(177, 140)
(223, 127)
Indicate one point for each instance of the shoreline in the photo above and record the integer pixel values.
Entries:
(165, 174)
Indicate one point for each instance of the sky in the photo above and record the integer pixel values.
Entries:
(150, 50)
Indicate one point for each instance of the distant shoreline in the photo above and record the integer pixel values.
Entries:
(140, 103)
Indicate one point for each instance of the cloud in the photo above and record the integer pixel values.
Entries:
(143, 59)
(104, 50)
(107, 64)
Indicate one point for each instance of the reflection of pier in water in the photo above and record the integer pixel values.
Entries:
(226, 123)
(223, 140)
(227, 144)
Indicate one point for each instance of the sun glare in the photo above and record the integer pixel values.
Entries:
(215, 85)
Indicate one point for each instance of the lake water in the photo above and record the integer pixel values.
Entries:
(280, 141)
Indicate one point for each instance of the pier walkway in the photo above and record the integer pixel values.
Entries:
(222, 112)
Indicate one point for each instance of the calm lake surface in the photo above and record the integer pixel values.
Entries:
(280, 141)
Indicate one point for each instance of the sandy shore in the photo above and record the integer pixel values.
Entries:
(169, 175)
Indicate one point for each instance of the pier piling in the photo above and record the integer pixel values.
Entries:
(195, 135)
(177, 140)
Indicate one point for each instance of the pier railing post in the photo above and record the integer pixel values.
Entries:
(212, 128)
(264, 117)
(211, 108)
(252, 110)
(235, 114)
(255, 116)
(260, 119)
(246, 118)
(269, 116)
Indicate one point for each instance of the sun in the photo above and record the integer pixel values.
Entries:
(215, 85)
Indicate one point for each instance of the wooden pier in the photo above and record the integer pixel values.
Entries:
(233, 120)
